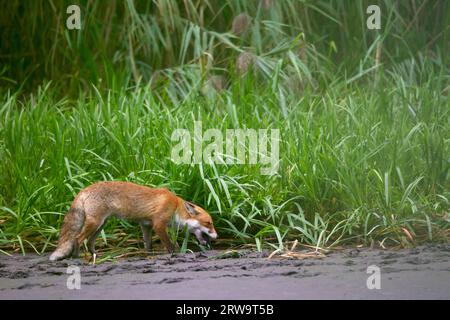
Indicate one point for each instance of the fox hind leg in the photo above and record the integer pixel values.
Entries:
(92, 237)
(75, 250)
(90, 228)
(147, 233)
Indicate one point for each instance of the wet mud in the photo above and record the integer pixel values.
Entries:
(418, 273)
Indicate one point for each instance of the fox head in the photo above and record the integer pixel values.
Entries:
(198, 221)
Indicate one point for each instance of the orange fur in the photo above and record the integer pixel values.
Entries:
(153, 207)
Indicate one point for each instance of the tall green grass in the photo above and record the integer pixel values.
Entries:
(357, 164)
(364, 137)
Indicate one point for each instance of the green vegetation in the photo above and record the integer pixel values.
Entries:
(363, 115)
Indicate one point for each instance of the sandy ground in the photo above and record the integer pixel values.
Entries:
(419, 273)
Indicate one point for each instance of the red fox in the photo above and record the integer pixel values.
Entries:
(153, 208)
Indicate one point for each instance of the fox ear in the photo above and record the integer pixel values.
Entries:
(190, 208)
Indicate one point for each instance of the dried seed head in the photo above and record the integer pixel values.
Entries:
(213, 85)
(302, 53)
(217, 82)
(241, 24)
(267, 4)
(297, 84)
(244, 61)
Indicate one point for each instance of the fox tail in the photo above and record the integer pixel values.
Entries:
(73, 222)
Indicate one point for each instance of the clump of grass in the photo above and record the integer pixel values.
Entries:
(357, 165)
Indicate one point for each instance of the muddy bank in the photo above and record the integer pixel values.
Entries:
(419, 273)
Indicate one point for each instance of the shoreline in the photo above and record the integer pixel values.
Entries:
(418, 273)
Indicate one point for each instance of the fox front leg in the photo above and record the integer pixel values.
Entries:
(160, 230)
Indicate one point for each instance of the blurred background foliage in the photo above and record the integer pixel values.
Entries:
(125, 42)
